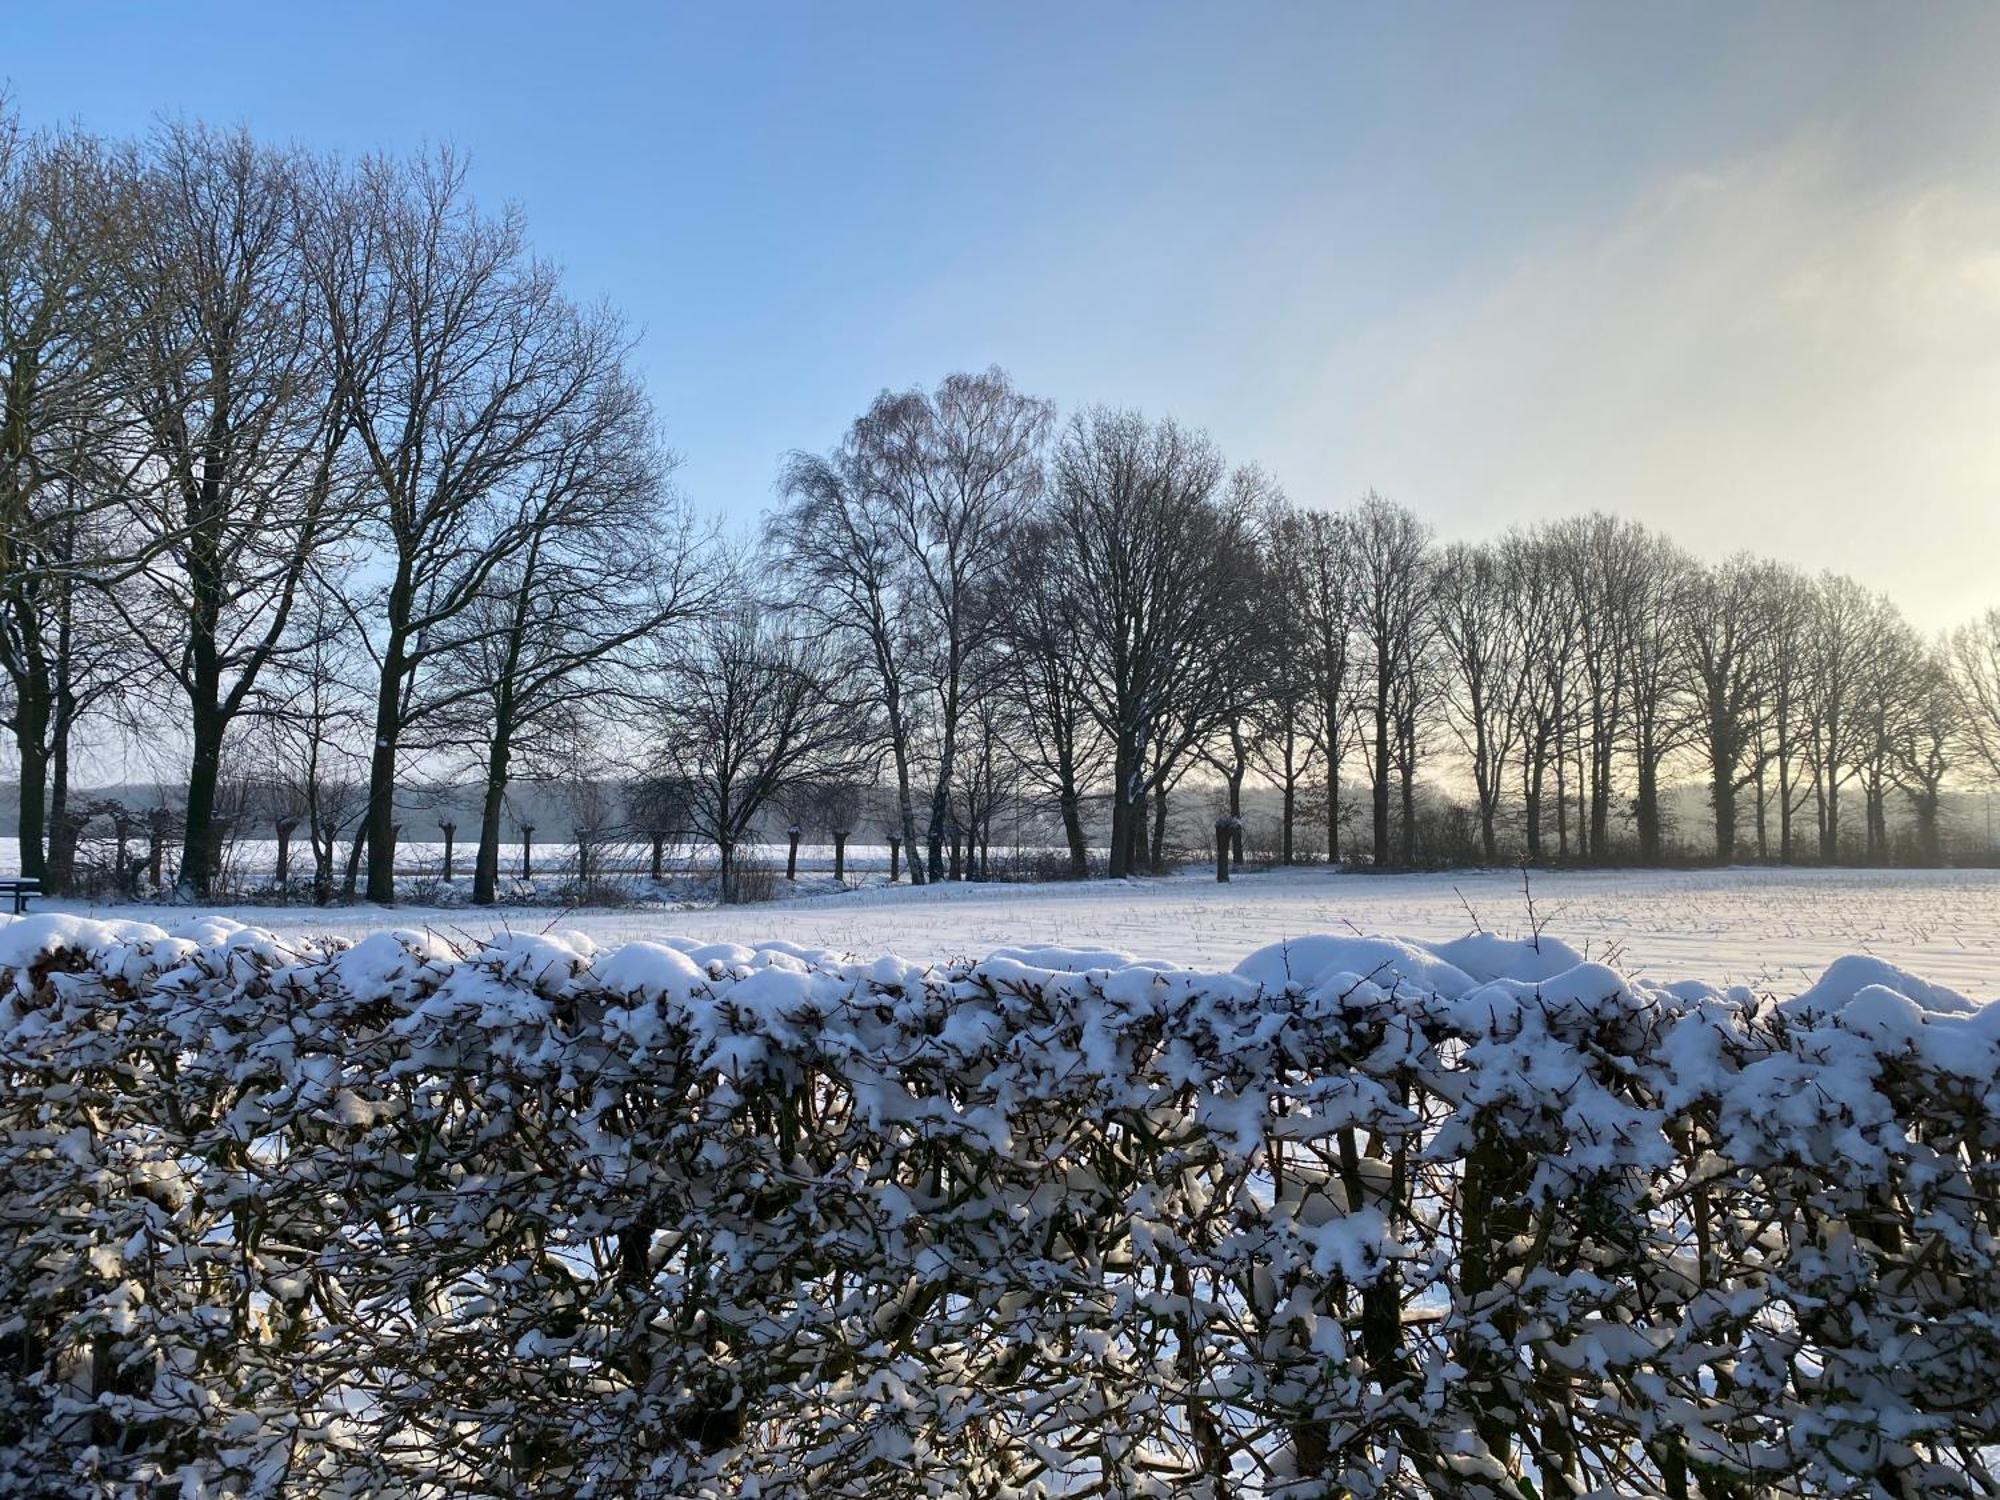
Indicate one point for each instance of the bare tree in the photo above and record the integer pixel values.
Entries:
(1042, 682)
(1837, 647)
(65, 453)
(1482, 657)
(576, 615)
(835, 544)
(311, 733)
(1286, 747)
(1248, 675)
(1722, 620)
(1785, 666)
(1926, 743)
(898, 538)
(1391, 551)
(246, 484)
(1975, 662)
(957, 469)
(1137, 528)
(1887, 706)
(1598, 557)
(1327, 583)
(753, 711)
(1543, 616)
(471, 384)
(988, 778)
(1657, 581)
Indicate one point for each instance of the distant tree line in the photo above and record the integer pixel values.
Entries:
(316, 484)
(1103, 608)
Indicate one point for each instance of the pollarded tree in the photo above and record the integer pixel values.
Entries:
(753, 709)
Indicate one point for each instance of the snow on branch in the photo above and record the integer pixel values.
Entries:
(1361, 1218)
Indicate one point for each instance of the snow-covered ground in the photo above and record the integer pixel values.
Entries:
(1775, 929)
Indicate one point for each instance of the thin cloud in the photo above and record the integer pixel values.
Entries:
(1759, 355)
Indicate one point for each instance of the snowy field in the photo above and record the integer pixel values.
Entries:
(1770, 928)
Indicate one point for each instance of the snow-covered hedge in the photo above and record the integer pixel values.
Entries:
(1363, 1217)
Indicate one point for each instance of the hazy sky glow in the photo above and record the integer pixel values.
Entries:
(1732, 270)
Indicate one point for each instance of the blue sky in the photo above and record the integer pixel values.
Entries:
(1732, 269)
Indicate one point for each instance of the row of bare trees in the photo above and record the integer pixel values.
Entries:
(1102, 607)
(314, 479)
(301, 454)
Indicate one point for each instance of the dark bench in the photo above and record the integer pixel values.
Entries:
(19, 889)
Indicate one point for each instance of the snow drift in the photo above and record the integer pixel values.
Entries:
(1362, 1217)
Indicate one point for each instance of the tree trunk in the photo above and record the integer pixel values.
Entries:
(381, 815)
(1763, 824)
(32, 823)
(285, 861)
(486, 860)
(1647, 810)
(1722, 795)
(1158, 863)
(1235, 814)
(1332, 809)
(1382, 769)
(1409, 799)
(1929, 846)
(1784, 802)
(1123, 773)
(1531, 798)
(905, 808)
(200, 849)
(356, 852)
(1072, 820)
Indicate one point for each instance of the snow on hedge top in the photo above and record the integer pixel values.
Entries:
(387, 964)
